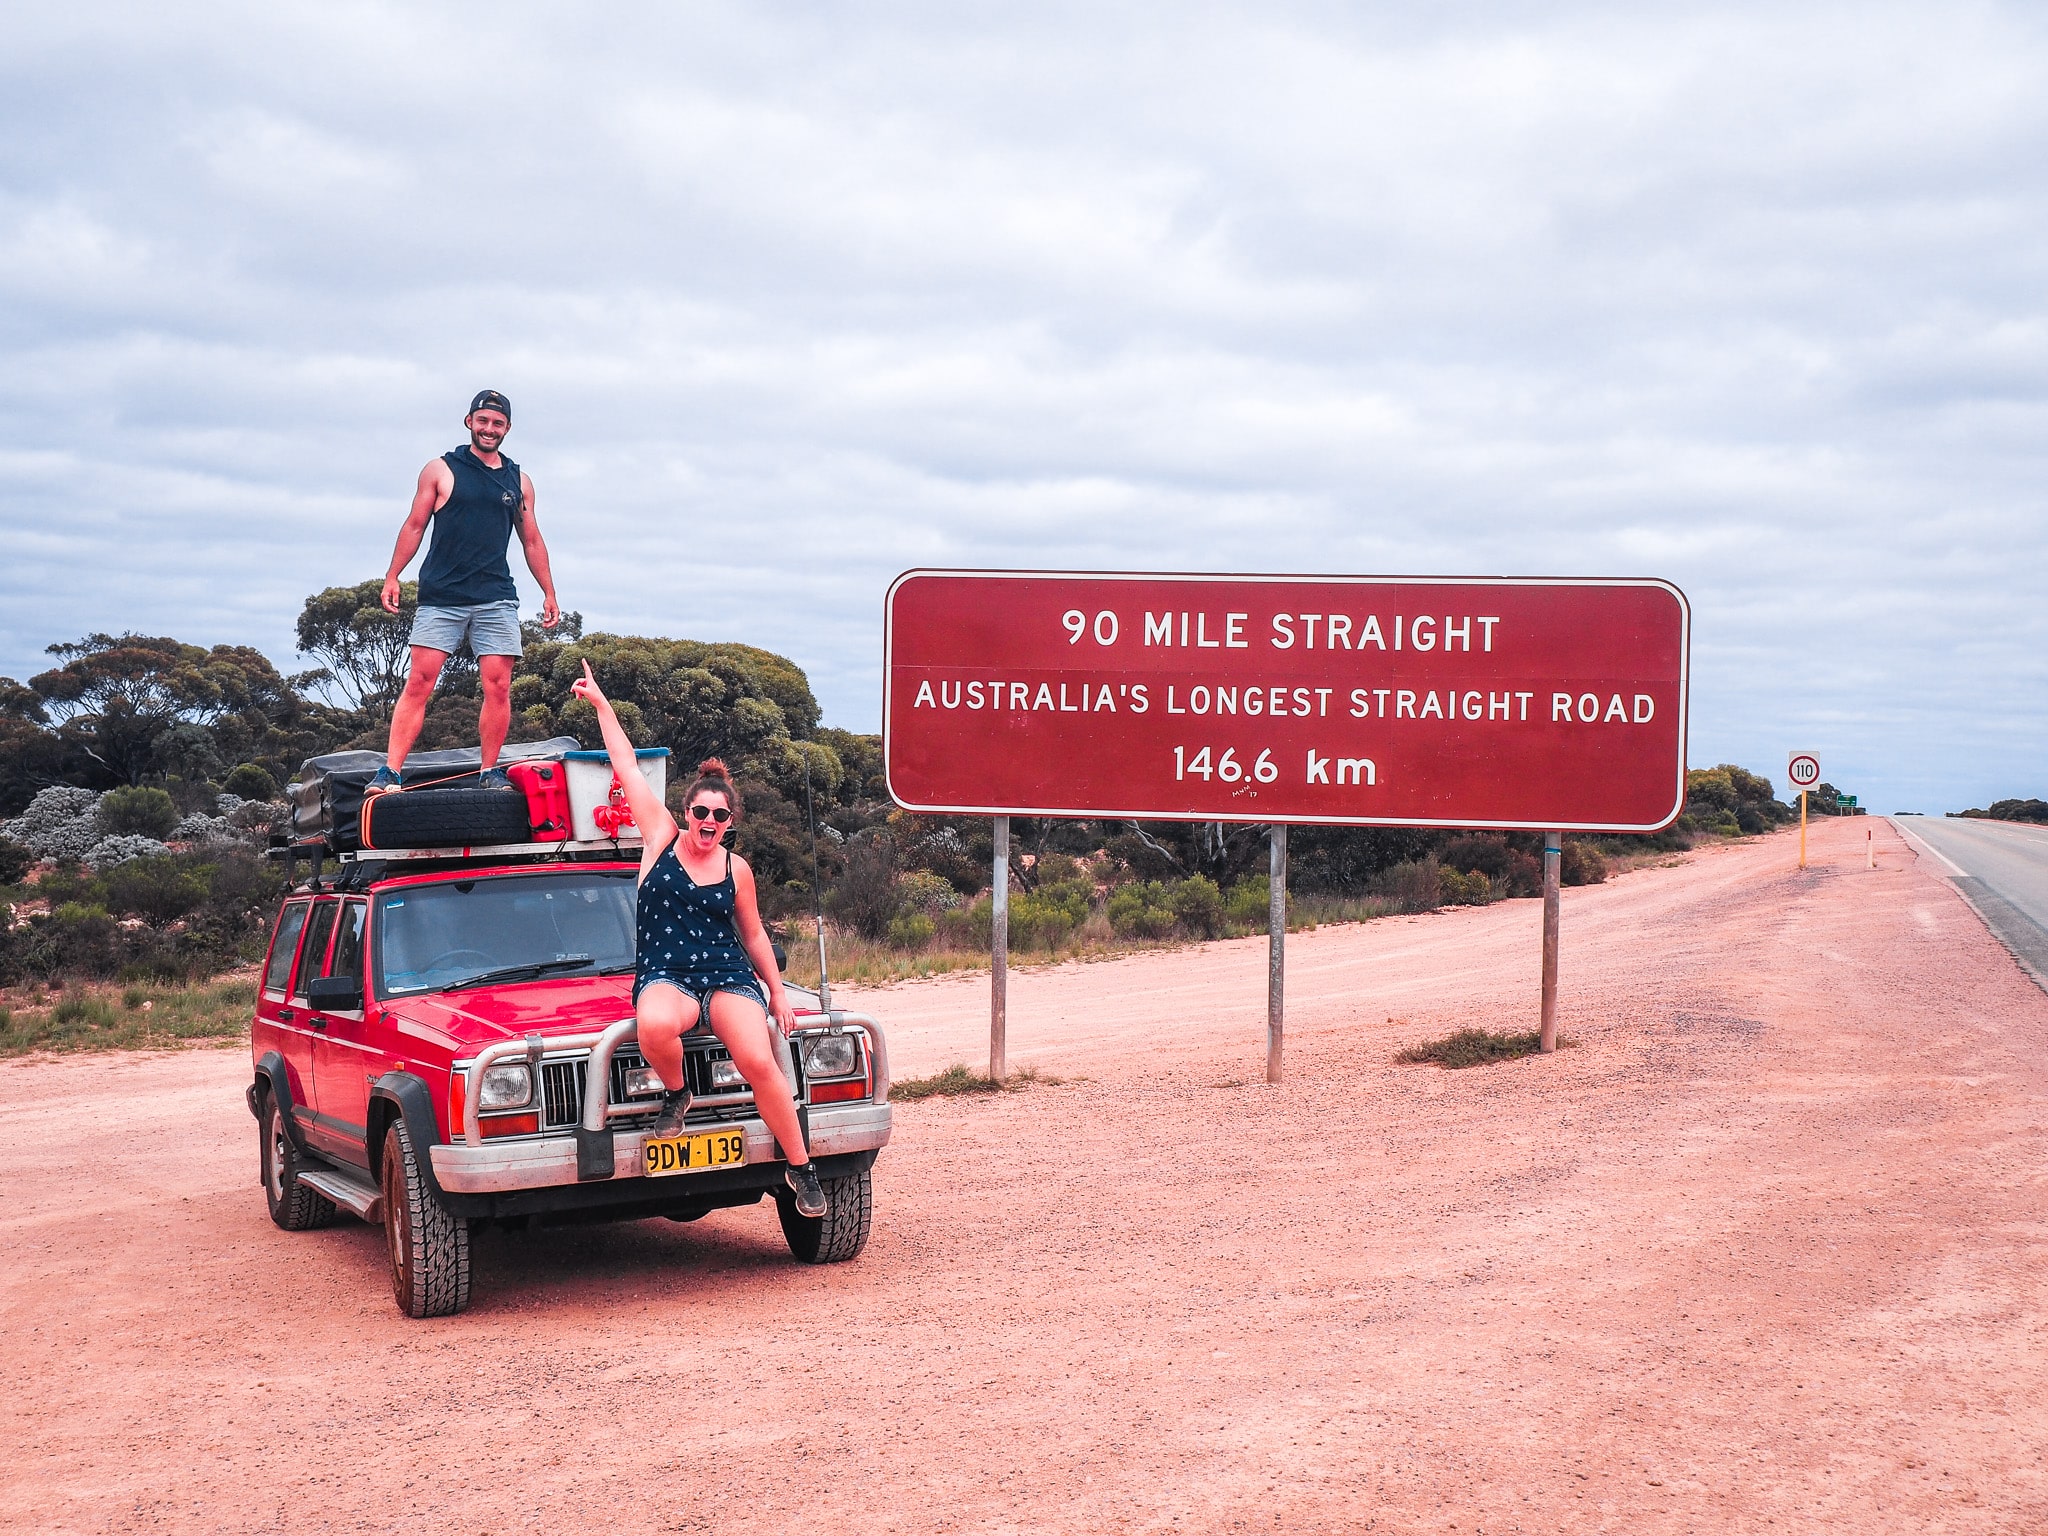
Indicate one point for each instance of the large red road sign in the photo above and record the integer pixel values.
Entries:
(1410, 701)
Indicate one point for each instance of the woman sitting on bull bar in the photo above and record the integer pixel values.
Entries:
(702, 953)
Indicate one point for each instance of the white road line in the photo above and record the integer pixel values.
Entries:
(1927, 848)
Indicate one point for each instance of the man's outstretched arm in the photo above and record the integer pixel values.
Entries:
(537, 555)
(435, 484)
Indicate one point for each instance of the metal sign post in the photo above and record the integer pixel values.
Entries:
(1553, 861)
(999, 957)
(1276, 950)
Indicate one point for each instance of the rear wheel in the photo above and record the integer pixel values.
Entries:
(429, 1248)
(293, 1206)
(841, 1232)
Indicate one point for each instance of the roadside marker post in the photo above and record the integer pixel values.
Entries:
(1803, 769)
(1488, 703)
(999, 957)
(1553, 866)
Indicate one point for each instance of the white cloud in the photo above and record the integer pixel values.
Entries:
(1743, 296)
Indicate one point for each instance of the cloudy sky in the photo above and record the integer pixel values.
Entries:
(789, 299)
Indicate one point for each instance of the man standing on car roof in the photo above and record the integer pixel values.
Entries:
(476, 499)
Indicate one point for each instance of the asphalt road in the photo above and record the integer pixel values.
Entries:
(2001, 867)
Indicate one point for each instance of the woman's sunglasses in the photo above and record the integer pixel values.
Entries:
(717, 813)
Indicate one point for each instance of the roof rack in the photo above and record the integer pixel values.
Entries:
(357, 868)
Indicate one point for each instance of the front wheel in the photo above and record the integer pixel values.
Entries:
(293, 1206)
(429, 1247)
(842, 1231)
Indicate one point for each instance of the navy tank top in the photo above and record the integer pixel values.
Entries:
(685, 931)
(466, 563)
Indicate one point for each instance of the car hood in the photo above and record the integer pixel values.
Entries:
(468, 1020)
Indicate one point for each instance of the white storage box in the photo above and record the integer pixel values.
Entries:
(590, 786)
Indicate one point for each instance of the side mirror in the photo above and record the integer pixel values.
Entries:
(335, 994)
(781, 956)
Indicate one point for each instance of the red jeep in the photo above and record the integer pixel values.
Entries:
(442, 1041)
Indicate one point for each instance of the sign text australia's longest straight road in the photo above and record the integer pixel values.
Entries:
(1406, 702)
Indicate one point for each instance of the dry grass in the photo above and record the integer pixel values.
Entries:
(960, 1079)
(86, 1017)
(1476, 1048)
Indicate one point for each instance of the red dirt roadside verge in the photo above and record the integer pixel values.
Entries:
(1766, 1252)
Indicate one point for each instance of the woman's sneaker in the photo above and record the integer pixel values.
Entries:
(384, 783)
(810, 1194)
(673, 1107)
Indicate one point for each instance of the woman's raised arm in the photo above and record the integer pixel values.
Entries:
(649, 814)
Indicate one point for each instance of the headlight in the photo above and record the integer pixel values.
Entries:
(831, 1056)
(504, 1087)
(643, 1082)
(726, 1074)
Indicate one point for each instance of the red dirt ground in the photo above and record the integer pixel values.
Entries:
(1765, 1252)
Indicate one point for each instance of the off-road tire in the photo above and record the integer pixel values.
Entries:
(446, 818)
(293, 1206)
(429, 1248)
(841, 1232)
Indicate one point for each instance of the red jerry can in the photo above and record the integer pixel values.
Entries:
(546, 789)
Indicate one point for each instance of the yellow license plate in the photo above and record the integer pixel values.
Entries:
(694, 1153)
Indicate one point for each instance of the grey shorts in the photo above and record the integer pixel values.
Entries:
(492, 629)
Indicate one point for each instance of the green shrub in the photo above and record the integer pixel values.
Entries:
(15, 861)
(1250, 902)
(913, 930)
(1580, 863)
(1139, 910)
(1197, 904)
(969, 927)
(1472, 890)
(1414, 886)
(251, 781)
(923, 891)
(139, 810)
(158, 890)
(869, 892)
(1037, 923)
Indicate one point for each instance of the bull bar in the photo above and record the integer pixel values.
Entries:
(473, 1166)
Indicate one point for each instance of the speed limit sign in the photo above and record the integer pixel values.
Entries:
(1803, 770)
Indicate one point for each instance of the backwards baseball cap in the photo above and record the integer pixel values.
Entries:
(491, 400)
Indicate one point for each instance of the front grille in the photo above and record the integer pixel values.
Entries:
(561, 1085)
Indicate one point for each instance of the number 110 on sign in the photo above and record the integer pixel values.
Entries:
(1204, 765)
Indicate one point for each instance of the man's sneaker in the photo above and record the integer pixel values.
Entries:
(494, 778)
(673, 1107)
(810, 1194)
(385, 782)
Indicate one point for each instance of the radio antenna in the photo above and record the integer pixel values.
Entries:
(817, 892)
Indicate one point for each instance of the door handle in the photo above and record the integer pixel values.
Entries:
(285, 1015)
(318, 1022)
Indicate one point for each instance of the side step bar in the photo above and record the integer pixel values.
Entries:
(358, 1196)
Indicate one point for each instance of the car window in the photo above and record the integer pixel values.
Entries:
(284, 946)
(431, 936)
(348, 942)
(314, 950)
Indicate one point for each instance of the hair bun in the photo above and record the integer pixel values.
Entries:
(714, 768)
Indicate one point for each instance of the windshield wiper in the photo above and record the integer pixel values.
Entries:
(525, 972)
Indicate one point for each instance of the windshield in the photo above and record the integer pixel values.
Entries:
(433, 937)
